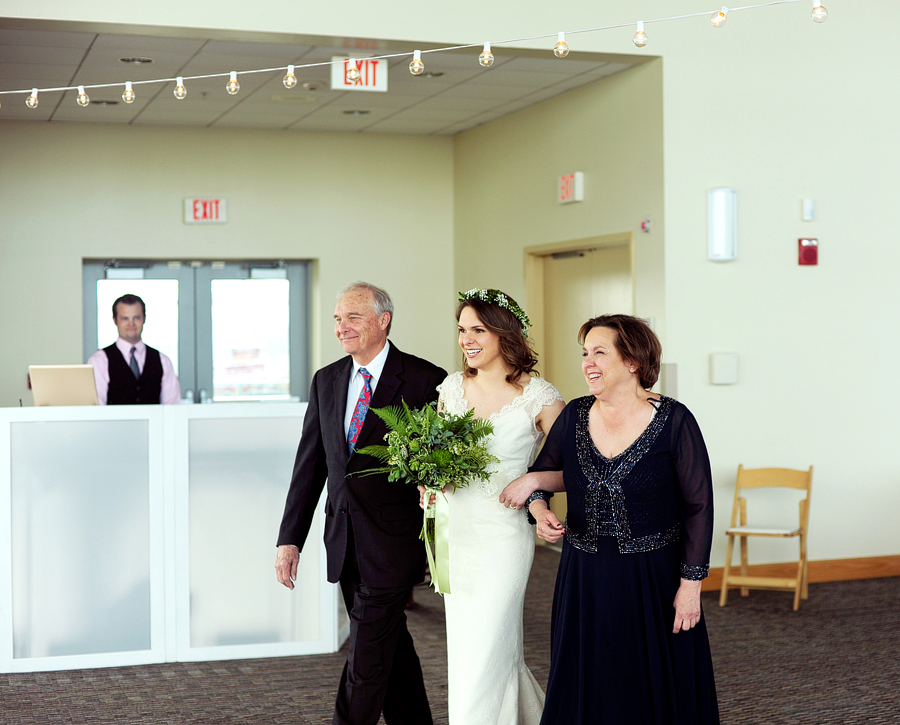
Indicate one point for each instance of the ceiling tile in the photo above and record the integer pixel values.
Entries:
(460, 95)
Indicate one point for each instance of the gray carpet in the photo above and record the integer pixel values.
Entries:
(834, 661)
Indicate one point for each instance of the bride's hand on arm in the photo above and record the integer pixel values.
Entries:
(517, 492)
(548, 526)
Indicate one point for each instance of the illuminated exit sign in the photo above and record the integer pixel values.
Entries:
(373, 74)
(205, 211)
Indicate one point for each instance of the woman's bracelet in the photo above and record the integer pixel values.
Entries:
(544, 496)
(694, 573)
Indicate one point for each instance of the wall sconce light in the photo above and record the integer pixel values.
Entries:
(722, 208)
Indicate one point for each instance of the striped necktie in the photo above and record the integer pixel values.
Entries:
(362, 407)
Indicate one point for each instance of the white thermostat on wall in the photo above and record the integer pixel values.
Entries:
(723, 368)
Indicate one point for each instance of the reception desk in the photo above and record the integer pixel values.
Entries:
(145, 534)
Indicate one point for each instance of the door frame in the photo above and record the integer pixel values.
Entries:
(534, 275)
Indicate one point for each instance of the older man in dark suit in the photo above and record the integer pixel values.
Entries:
(371, 525)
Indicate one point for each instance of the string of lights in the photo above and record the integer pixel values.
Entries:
(416, 66)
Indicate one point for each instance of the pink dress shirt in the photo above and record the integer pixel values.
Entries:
(170, 389)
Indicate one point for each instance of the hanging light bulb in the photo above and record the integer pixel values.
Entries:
(719, 17)
(233, 86)
(82, 99)
(180, 91)
(416, 66)
(640, 37)
(561, 49)
(289, 80)
(128, 94)
(486, 58)
(819, 13)
(32, 100)
(353, 72)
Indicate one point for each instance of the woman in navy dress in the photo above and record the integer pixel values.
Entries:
(628, 639)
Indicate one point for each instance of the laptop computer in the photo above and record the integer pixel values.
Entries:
(63, 384)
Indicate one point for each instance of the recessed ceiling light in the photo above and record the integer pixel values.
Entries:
(104, 103)
(356, 113)
(136, 60)
(312, 85)
(432, 74)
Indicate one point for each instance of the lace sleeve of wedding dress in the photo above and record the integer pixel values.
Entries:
(538, 394)
(451, 392)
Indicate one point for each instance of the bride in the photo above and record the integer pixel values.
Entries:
(491, 546)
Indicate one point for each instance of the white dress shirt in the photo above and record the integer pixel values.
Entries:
(375, 368)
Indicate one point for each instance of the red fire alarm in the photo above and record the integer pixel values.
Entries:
(808, 251)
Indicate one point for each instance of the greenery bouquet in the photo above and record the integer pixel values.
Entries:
(436, 450)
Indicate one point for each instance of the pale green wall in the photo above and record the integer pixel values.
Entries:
(74, 191)
(507, 173)
(772, 104)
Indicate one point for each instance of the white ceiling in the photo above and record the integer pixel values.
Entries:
(43, 54)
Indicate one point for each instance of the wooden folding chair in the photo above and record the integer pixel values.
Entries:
(767, 478)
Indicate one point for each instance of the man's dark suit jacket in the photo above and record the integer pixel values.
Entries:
(386, 517)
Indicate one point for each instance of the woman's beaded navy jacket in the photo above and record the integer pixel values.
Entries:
(657, 491)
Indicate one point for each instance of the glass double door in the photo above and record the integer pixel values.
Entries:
(234, 331)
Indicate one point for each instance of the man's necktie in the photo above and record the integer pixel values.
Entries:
(362, 407)
(133, 364)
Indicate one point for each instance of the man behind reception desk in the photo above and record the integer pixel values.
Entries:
(129, 372)
(371, 525)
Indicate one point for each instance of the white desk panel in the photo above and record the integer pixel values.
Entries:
(139, 534)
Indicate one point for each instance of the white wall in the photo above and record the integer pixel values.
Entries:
(781, 109)
(772, 104)
(466, 21)
(74, 191)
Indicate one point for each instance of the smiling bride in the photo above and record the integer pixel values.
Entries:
(492, 546)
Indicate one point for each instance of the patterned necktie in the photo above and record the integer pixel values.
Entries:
(133, 365)
(362, 406)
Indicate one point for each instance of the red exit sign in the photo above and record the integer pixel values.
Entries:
(373, 74)
(205, 211)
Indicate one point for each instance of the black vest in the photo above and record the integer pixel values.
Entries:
(124, 389)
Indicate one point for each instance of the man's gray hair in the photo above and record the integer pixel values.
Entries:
(381, 300)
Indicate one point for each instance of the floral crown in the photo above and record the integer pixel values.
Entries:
(496, 297)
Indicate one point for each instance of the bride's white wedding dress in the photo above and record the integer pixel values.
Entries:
(491, 550)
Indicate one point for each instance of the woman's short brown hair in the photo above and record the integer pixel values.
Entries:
(514, 346)
(635, 342)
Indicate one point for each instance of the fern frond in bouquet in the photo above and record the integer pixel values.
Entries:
(432, 449)
(439, 451)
